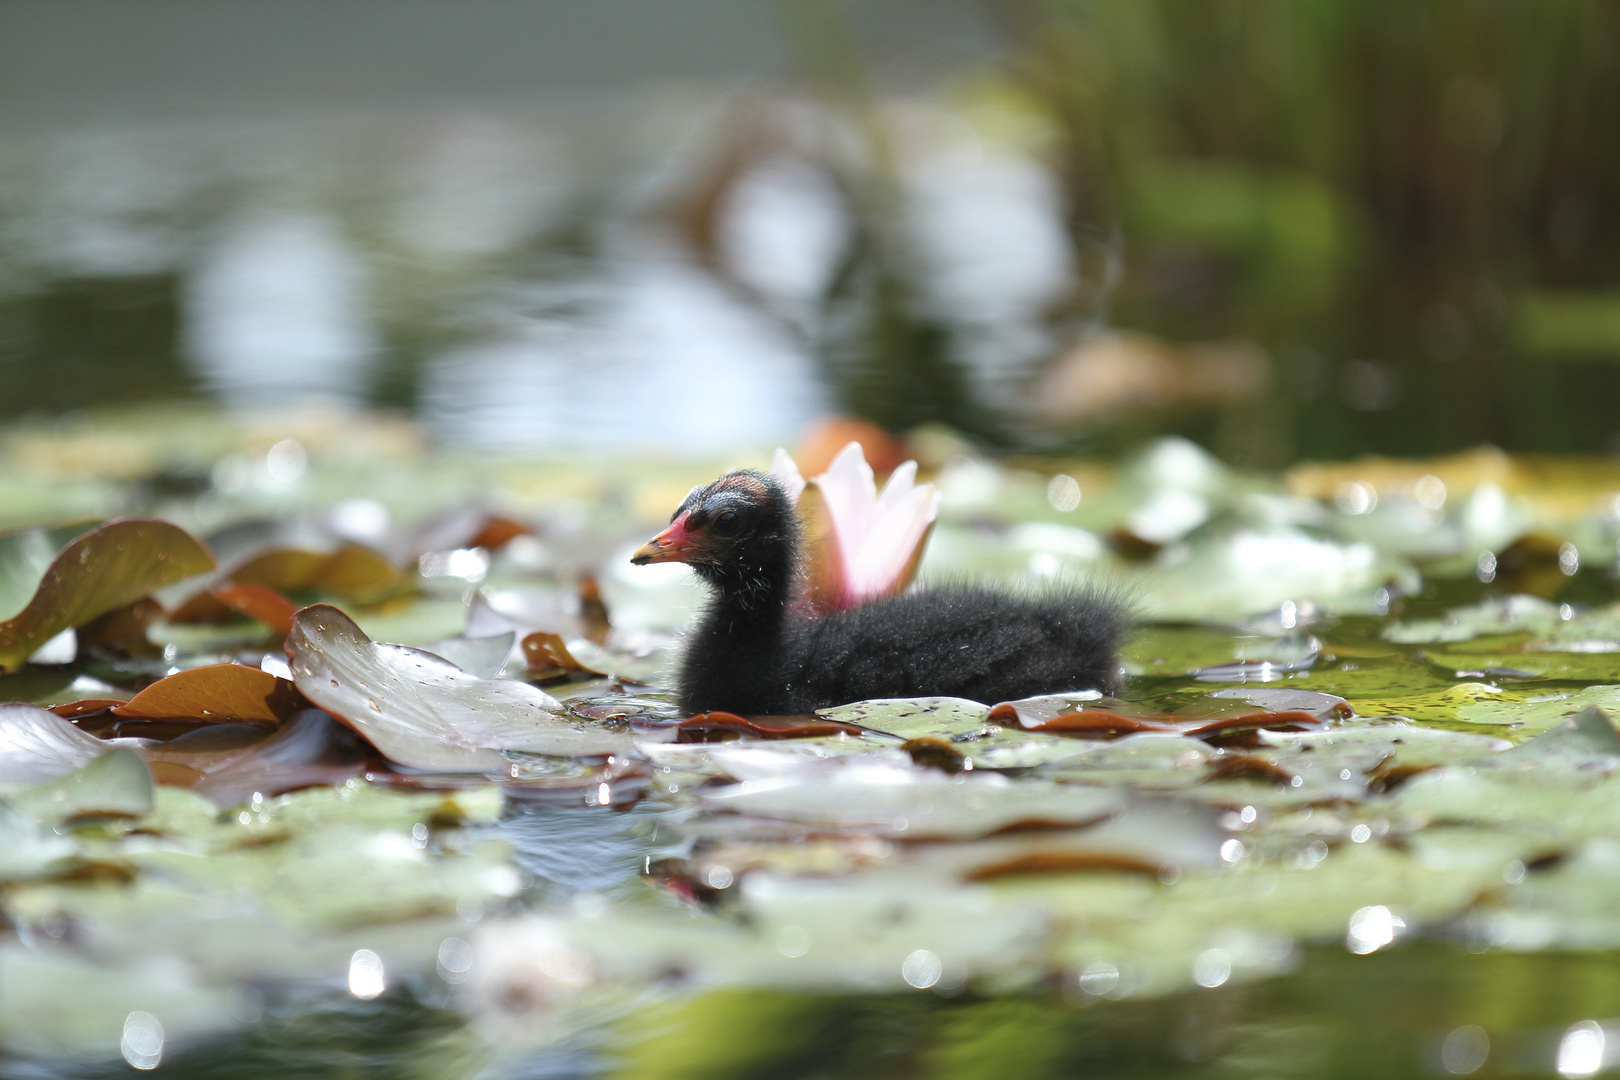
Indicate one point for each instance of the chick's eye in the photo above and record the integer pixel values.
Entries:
(725, 522)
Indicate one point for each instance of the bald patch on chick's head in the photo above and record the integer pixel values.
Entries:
(743, 521)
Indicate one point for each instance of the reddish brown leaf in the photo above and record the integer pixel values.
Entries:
(549, 660)
(358, 573)
(281, 569)
(720, 726)
(1107, 723)
(1388, 776)
(259, 602)
(202, 607)
(497, 532)
(1248, 767)
(219, 693)
(170, 774)
(1062, 863)
(936, 753)
(593, 612)
(68, 710)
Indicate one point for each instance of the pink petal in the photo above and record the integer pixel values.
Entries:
(888, 548)
(850, 493)
(786, 472)
(900, 482)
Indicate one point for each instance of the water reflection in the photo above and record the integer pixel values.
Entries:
(651, 352)
(275, 309)
(556, 279)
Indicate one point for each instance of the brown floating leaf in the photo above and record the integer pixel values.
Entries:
(358, 573)
(352, 572)
(103, 570)
(169, 774)
(1060, 862)
(936, 753)
(219, 693)
(721, 726)
(259, 602)
(70, 709)
(421, 710)
(1248, 767)
(550, 661)
(497, 531)
(1107, 723)
(593, 612)
(1388, 776)
(280, 569)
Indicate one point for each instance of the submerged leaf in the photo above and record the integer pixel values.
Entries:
(423, 711)
(105, 569)
(309, 749)
(218, 693)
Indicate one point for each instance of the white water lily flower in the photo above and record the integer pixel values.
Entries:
(870, 543)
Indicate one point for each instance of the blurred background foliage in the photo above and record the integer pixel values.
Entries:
(1348, 225)
(1410, 205)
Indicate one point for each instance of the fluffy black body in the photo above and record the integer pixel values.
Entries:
(752, 654)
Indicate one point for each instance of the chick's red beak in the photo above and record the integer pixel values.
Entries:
(674, 544)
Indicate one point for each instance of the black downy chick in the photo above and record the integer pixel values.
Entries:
(752, 654)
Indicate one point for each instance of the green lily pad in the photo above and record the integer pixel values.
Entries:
(1540, 712)
(116, 783)
(907, 802)
(1512, 615)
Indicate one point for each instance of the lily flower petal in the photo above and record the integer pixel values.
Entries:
(871, 543)
(786, 472)
(850, 492)
(888, 558)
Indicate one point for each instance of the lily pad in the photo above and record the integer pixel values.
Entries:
(906, 802)
(217, 693)
(37, 745)
(105, 569)
(425, 712)
(1542, 712)
(1512, 615)
(117, 782)
(481, 656)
